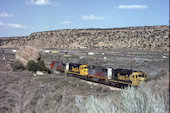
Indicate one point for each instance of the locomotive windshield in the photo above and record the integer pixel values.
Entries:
(141, 75)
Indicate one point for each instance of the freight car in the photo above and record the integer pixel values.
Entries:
(107, 75)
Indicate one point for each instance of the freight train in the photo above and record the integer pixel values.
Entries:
(106, 75)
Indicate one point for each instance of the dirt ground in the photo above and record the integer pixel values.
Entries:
(21, 92)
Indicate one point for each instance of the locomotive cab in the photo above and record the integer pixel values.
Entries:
(142, 76)
(83, 69)
(137, 78)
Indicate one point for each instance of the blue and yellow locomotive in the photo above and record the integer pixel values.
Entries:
(100, 74)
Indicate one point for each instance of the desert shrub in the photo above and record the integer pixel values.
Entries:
(141, 100)
(32, 66)
(16, 65)
(95, 105)
(130, 100)
(39, 66)
(161, 86)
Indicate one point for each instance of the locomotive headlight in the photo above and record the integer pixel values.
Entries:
(142, 76)
(142, 79)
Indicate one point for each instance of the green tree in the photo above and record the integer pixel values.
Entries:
(41, 66)
(32, 66)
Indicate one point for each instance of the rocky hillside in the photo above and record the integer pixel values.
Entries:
(153, 38)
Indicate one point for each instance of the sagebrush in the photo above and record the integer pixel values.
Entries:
(17, 65)
(39, 66)
(130, 100)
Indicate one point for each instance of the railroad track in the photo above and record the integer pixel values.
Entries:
(102, 85)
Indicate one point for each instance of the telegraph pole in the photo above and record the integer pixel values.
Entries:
(130, 52)
(3, 54)
(131, 56)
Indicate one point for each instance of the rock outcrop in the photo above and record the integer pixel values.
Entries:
(26, 54)
(154, 38)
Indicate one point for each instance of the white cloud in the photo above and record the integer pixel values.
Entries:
(11, 25)
(92, 17)
(132, 7)
(4, 14)
(65, 22)
(41, 2)
(16, 25)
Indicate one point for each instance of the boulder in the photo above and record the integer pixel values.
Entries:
(39, 73)
(26, 54)
(33, 52)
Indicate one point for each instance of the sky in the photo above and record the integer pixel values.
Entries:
(23, 17)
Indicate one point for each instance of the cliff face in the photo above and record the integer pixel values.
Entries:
(155, 38)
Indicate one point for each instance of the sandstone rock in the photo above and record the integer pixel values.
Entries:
(26, 54)
(39, 73)
(33, 52)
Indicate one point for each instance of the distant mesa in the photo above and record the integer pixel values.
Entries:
(152, 38)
